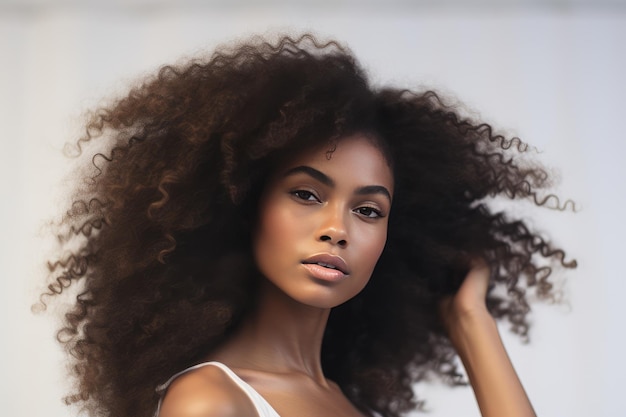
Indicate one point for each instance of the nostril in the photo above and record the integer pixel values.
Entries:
(327, 238)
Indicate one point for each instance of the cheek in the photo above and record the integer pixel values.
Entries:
(375, 249)
(275, 224)
(274, 232)
(369, 254)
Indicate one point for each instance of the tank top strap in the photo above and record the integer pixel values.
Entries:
(263, 408)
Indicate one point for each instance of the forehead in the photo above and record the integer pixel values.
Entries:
(355, 158)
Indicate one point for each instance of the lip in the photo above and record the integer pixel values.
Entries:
(332, 263)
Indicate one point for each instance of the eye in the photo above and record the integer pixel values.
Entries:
(304, 195)
(369, 212)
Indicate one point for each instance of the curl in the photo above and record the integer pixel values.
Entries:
(161, 230)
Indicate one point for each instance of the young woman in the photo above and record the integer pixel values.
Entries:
(268, 235)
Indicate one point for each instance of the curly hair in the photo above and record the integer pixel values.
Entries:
(157, 240)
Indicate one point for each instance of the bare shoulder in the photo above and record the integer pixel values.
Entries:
(206, 392)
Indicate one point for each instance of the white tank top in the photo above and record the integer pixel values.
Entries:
(262, 407)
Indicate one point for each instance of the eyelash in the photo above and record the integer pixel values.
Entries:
(306, 196)
(377, 213)
(298, 194)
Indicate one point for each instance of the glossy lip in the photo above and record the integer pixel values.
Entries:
(326, 258)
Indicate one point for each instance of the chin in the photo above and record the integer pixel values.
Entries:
(325, 299)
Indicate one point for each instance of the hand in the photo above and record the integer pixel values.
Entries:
(474, 335)
(470, 298)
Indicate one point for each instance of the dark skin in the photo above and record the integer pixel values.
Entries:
(341, 213)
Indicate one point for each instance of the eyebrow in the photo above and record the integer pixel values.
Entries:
(326, 180)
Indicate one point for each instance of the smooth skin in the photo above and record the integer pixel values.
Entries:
(335, 207)
(475, 336)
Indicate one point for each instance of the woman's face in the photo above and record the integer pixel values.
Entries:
(323, 222)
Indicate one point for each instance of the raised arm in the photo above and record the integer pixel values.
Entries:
(475, 336)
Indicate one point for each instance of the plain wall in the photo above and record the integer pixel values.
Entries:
(552, 76)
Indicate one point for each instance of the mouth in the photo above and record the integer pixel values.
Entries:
(328, 261)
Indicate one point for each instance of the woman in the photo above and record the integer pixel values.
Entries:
(285, 239)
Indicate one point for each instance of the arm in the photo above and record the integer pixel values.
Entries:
(474, 334)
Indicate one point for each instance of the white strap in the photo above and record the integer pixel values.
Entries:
(263, 408)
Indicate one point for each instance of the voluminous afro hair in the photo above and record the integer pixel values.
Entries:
(157, 241)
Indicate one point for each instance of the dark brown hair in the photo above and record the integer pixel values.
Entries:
(158, 239)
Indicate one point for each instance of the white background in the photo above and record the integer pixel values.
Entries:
(550, 72)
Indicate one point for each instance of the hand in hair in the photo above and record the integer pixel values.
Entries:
(475, 336)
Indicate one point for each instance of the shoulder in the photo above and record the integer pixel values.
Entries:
(206, 392)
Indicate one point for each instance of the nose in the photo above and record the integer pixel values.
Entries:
(333, 227)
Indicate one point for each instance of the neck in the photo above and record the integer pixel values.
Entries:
(281, 335)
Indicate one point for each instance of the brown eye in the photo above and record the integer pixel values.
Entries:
(369, 212)
(304, 195)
